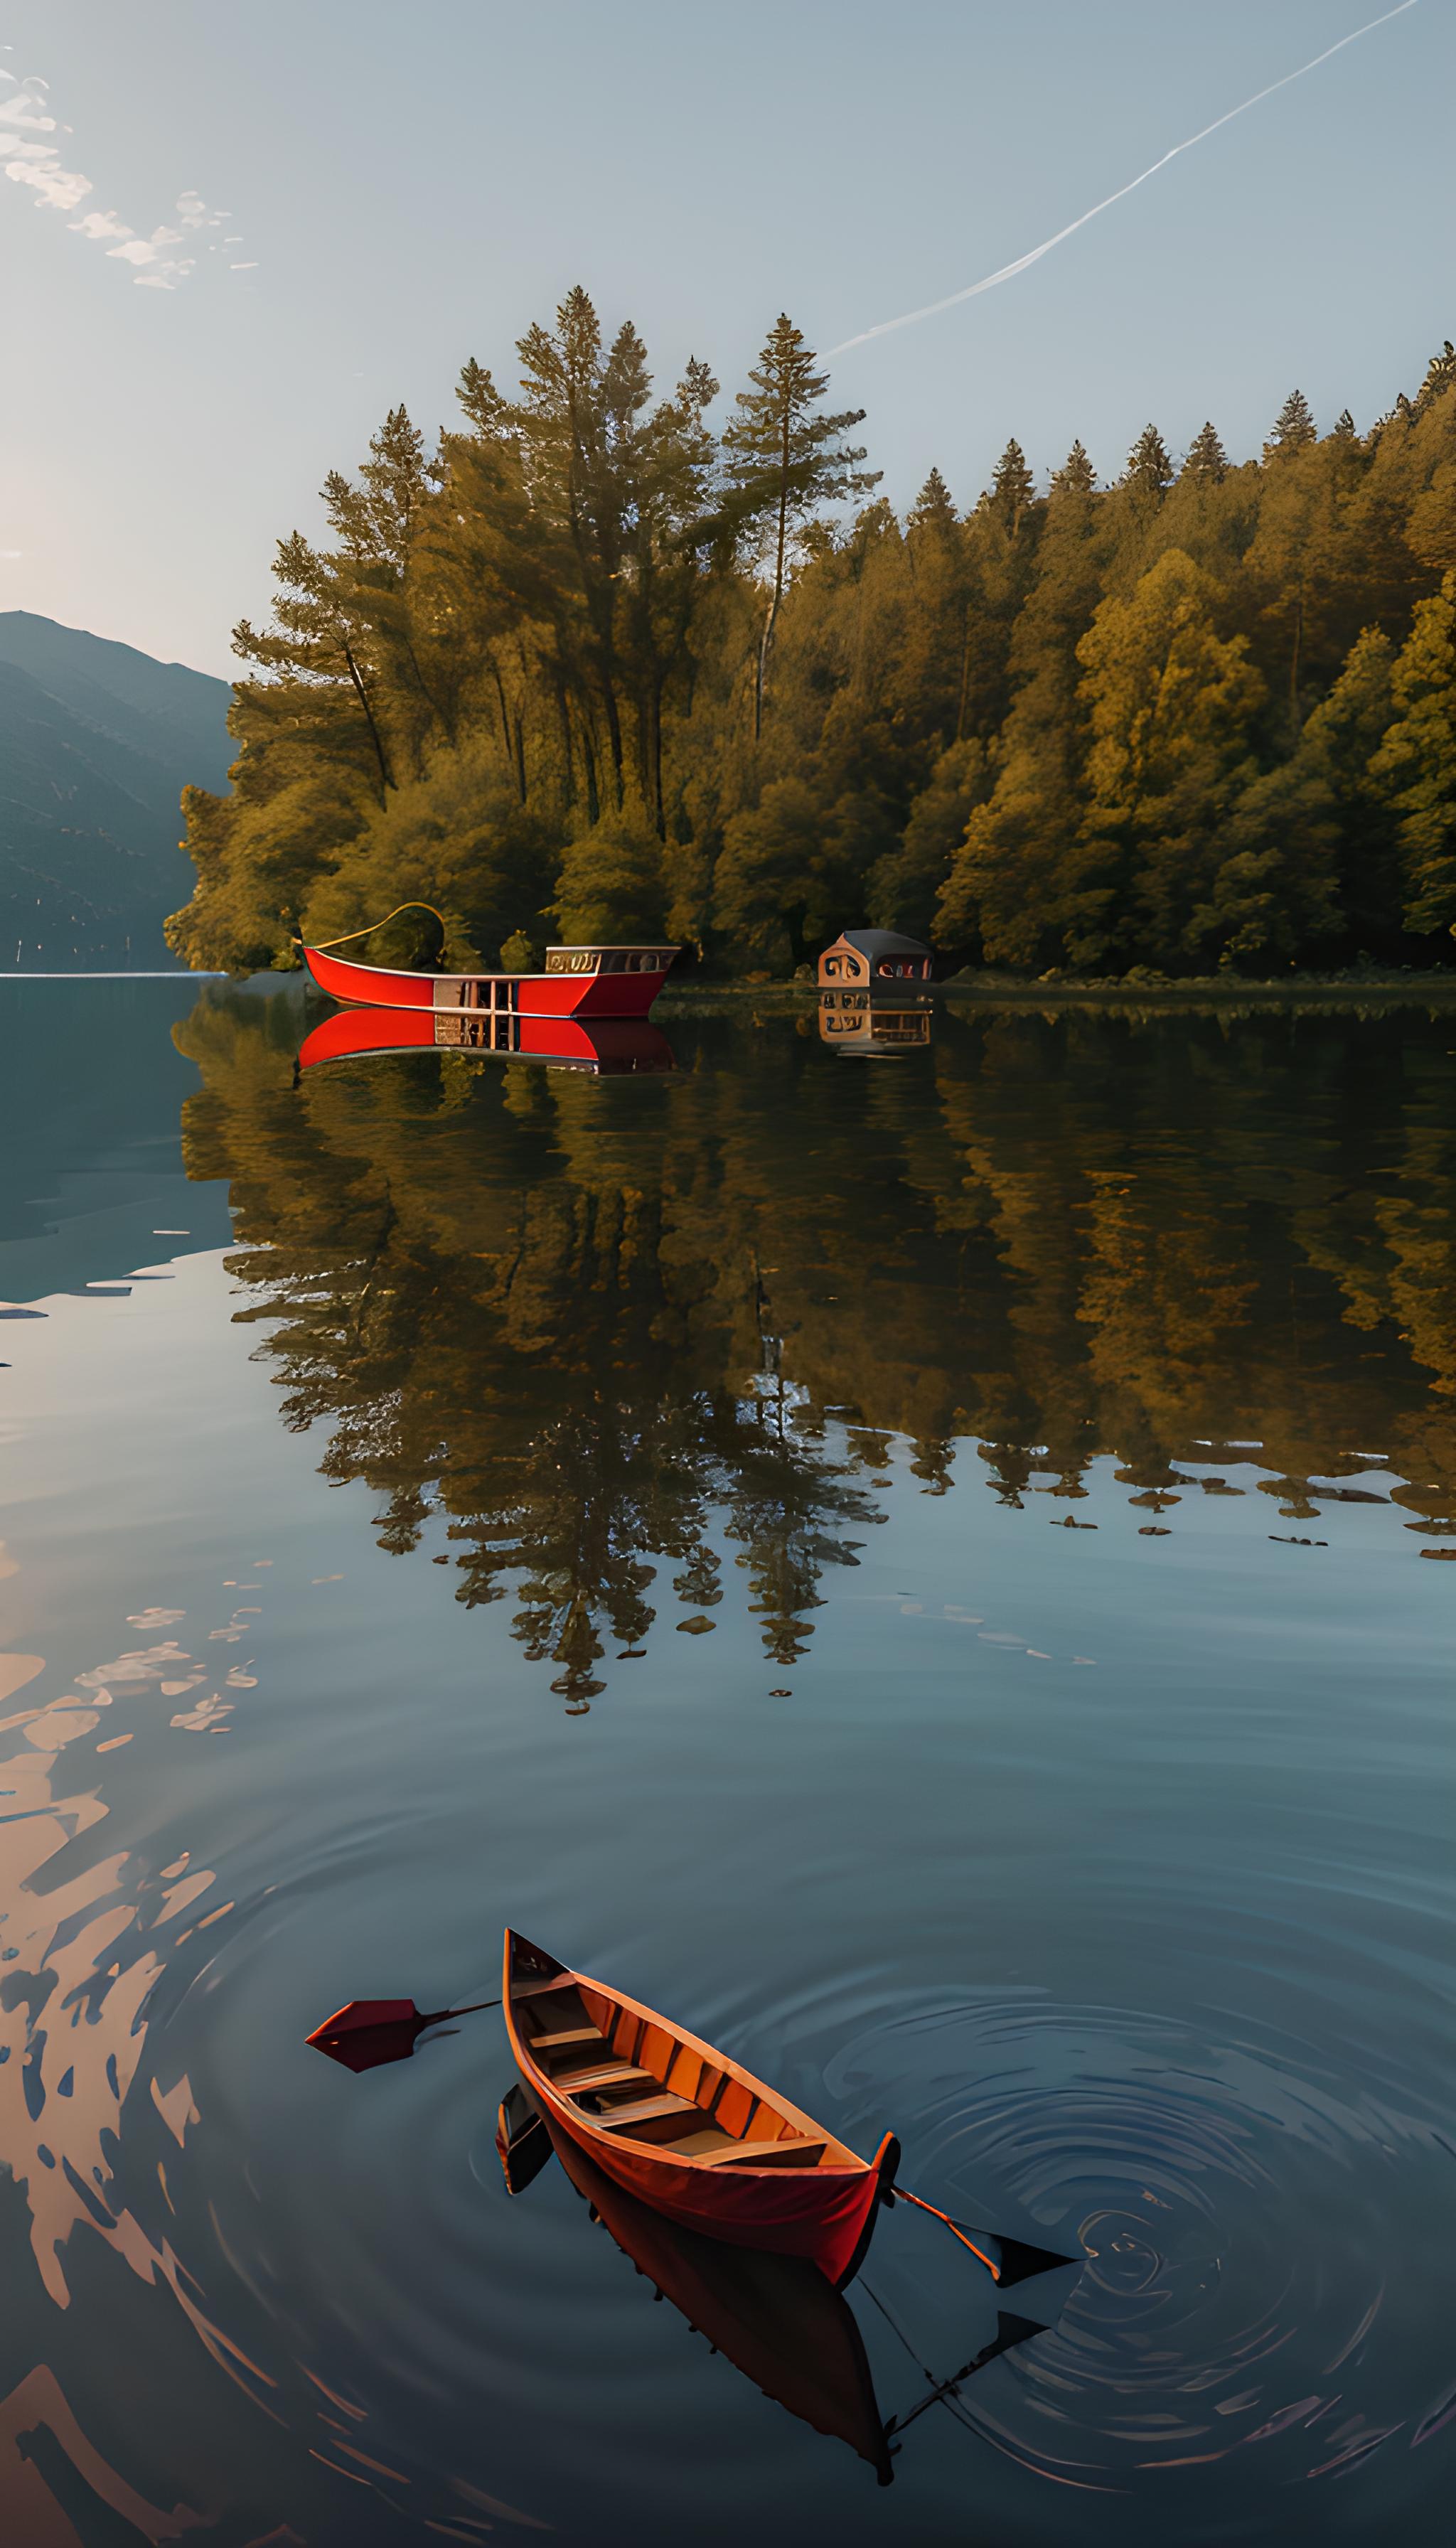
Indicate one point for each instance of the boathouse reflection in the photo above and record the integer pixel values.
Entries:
(854, 1022)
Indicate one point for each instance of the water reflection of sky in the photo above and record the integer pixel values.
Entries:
(1072, 1796)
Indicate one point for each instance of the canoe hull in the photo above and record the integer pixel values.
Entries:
(527, 995)
(773, 2317)
(825, 2212)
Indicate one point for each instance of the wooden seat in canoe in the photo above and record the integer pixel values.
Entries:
(683, 2125)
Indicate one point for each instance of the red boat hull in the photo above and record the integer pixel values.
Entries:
(824, 2213)
(528, 995)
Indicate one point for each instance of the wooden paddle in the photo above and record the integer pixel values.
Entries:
(365, 2032)
(1006, 2260)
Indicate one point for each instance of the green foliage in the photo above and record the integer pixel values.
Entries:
(590, 662)
(612, 887)
(1417, 761)
(781, 884)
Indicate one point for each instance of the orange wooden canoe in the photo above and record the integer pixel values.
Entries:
(683, 2128)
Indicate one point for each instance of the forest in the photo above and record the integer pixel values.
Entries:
(596, 666)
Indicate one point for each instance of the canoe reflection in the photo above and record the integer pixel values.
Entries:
(602, 1047)
(774, 2318)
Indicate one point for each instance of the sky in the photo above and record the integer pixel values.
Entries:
(231, 240)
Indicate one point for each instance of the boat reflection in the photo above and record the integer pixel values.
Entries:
(774, 2318)
(604, 1048)
(856, 1023)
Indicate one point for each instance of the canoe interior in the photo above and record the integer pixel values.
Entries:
(632, 2076)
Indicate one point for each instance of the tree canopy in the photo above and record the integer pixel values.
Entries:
(594, 657)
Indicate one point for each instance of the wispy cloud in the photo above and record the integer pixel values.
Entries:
(1018, 265)
(30, 159)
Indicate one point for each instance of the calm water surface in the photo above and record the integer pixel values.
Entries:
(929, 1568)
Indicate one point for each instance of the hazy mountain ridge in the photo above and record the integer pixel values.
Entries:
(97, 742)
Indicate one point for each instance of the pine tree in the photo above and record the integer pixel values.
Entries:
(1207, 463)
(932, 509)
(1343, 430)
(1012, 488)
(1076, 475)
(1440, 376)
(1294, 428)
(783, 459)
(1149, 470)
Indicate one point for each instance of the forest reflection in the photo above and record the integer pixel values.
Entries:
(612, 1329)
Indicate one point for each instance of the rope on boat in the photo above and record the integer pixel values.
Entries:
(323, 945)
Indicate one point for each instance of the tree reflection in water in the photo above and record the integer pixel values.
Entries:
(602, 1326)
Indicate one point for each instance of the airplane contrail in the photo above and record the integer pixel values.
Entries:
(1004, 273)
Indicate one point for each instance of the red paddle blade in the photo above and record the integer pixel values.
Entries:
(366, 2032)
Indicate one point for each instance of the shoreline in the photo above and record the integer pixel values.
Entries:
(1012, 992)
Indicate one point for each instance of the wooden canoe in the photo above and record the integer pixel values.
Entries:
(683, 2128)
(578, 982)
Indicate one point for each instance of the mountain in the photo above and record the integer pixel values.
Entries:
(96, 744)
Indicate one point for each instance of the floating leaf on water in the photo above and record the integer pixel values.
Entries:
(1431, 1552)
(17, 1670)
(696, 1627)
(1154, 1530)
(114, 1743)
(328, 1579)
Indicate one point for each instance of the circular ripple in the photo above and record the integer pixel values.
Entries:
(1261, 2299)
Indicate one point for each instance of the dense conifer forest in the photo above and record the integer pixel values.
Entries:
(594, 669)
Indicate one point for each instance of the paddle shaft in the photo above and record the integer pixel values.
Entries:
(439, 2015)
(904, 2195)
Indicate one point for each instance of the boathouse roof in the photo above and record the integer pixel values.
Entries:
(880, 941)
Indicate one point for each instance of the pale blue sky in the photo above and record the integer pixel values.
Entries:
(407, 186)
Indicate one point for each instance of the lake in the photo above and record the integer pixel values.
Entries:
(932, 1565)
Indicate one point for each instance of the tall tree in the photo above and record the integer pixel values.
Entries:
(784, 456)
(1294, 428)
(1417, 761)
(1149, 470)
(1207, 463)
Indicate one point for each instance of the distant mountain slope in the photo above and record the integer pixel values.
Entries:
(96, 745)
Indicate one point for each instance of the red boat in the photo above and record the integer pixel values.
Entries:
(682, 2127)
(578, 982)
(606, 1047)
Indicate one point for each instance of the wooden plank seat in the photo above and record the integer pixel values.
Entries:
(791, 2153)
(604, 2075)
(566, 2034)
(643, 2110)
